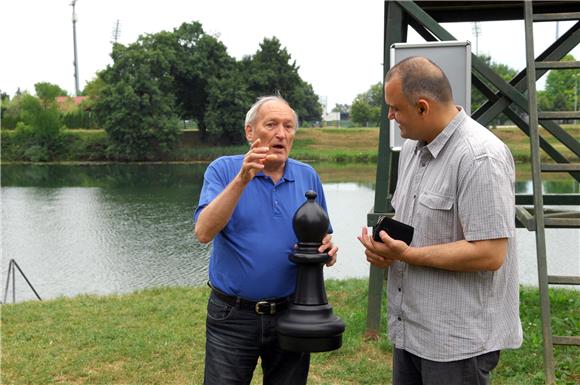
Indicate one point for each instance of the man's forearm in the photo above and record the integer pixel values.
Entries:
(485, 255)
(214, 217)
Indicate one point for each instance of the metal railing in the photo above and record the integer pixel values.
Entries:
(12, 266)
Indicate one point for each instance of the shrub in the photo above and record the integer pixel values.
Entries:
(41, 128)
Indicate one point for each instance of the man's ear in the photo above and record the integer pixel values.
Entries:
(423, 106)
(249, 134)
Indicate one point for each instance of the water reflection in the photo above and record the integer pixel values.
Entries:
(118, 228)
(566, 186)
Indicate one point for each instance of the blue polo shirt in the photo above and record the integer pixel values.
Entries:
(249, 257)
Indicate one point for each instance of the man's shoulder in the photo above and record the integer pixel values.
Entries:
(300, 167)
(481, 142)
(226, 166)
(227, 161)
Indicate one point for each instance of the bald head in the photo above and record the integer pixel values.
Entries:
(421, 78)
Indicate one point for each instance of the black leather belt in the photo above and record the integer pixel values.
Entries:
(266, 306)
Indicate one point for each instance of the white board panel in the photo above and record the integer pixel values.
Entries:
(454, 58)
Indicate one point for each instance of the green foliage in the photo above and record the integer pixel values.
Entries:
(478, 99)
(11, 111)
(94, 88)
(201, 60)
(85, 145)
(47, 92)
(271, 71)
(188, 74)
(4, 103)
(341, 108)
(79, 118)
(228, 102)
(366, 107)
(135, 107)
(184, 73)
(561, 93)
(40, 131)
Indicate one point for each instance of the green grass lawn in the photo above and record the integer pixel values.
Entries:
(156, 336)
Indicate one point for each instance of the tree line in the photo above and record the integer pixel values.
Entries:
(169, 79)
(172, 76)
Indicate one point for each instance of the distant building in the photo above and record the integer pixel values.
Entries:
(77, 100)
(336, 119)
(331, 116)
(68, 103)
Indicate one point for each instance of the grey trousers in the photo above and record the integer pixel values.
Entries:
(409, 369)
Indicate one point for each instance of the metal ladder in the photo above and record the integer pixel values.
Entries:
(537, 219)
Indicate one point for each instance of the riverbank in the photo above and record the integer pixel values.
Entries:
(157, 336)
(338, 145)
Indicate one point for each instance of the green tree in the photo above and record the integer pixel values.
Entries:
(271, 71)
(94, 88)
(228, 102)
(366, 107)
(341, 108)
(40, 128)
(196, 60)
(187, 73)
(48, 92)
(11, 111)
(136, 106)
(561, 92)
(4, 102)
(504, 71)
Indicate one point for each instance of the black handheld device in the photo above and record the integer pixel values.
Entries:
(395, 229)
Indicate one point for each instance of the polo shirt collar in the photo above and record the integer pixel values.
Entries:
(440, 140)
(288, 173)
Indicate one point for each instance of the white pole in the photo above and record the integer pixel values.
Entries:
(76, 62)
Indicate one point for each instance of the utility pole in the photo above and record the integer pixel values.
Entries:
(76, 61)
(116, 32)
(476, 32)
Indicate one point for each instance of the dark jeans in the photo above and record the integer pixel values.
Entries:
(236, 338)
(409, 369)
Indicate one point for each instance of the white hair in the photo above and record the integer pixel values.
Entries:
(253, 112)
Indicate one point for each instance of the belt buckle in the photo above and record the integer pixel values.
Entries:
(272, 307)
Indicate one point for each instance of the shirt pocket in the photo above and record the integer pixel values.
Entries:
(435, 217)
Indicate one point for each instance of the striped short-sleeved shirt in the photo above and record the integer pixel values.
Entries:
(458, 187)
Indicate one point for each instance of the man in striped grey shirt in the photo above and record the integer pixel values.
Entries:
(453, 293)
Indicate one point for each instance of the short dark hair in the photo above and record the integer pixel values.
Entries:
(420, 77)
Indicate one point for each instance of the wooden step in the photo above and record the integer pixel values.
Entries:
(566, 340)
(557, 65)
(557, 115)
(560, 167)
(563, 280)
(552, 218)
(557, 16)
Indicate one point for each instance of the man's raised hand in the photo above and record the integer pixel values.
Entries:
(253, 161)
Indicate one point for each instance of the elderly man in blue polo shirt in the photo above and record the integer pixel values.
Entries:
(246, 207)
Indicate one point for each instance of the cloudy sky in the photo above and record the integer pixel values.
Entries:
(336, 43)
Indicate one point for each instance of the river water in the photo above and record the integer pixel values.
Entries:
(117, 228)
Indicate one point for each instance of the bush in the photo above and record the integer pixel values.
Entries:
(86, 145)
(40, 131)
(36, 153)
(79, 118)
